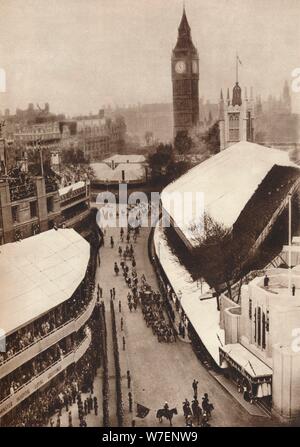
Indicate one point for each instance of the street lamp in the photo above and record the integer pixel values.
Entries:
(290, 243)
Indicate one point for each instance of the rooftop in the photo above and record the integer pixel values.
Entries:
(133, 172)
(125, 158)
(278, 291)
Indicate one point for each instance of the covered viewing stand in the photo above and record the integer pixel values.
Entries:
(252, 376)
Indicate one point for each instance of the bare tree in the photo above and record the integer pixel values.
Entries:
(222, 254)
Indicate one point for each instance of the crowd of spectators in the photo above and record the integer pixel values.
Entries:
(29, 370)
(20, 184)
(37, 410)
(75, 173)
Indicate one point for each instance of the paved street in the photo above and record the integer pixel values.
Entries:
(161, 372)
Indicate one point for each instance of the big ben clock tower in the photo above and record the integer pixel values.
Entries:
(185, 78)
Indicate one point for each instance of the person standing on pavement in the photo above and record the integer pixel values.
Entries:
(195, 388)
(70, 419)
(128, 379)
(130, 402)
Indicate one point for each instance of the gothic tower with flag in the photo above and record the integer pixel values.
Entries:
(236, 115)
(185, 79)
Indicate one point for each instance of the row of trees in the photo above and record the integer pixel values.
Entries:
(164, 166)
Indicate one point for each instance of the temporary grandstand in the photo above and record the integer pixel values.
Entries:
(245, 188)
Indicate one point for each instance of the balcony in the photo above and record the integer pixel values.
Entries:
(42, 379)
(50, 339)
(22, 191)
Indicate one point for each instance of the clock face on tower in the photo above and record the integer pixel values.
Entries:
(180, 67)
(195, 67)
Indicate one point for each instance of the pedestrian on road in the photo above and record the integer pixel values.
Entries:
(112, 242)
(111, 294)
(101, 292)
(122, 324)
(116, 269)
(124, 343)
(128, 379)
(114, 293)
(120, 306)
(120, 251)
(293, 290)
(130, 402)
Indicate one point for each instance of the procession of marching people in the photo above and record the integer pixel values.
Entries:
(140, 294)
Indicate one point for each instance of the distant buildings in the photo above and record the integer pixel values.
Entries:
(276, 125)
(100, 137)
(96, 136)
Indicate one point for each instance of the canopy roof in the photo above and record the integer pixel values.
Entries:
(70, 188)
(124, 158)
(227, 180)
(39, 273)
(133, 172)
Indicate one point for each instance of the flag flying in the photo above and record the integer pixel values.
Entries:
(141, 411)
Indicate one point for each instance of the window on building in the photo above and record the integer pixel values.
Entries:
(50, 204)
(33, 209)
(234, 126)
(15, 213)
(250, 309)
(263, 331)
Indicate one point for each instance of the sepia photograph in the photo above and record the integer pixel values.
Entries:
(149, 217)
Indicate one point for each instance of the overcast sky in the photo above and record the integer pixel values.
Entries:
(80, 54)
